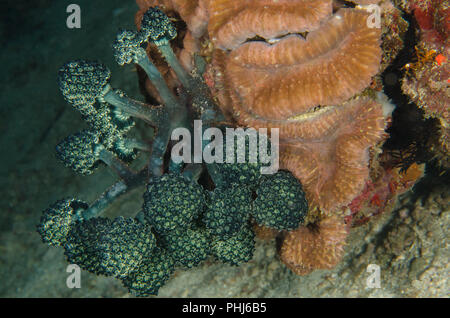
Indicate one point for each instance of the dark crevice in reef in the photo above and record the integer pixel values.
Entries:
(406, 55)
(434, 179)
(410, 132)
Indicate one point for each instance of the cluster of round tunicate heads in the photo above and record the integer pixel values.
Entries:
(125, 248)
(156, 28)
(192, 223)
(109, 247)
(185, 222)
(83, 83)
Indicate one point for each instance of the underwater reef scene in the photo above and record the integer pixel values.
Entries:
(349, 99)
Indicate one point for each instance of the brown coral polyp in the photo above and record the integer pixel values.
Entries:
(320, 246)
(332, 164)
(294, 75)
(301, 87)
(233, 22)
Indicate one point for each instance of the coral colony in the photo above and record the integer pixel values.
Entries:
(305, 78)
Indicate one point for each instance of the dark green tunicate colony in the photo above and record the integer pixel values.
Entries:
(228, 210)
(127, 47)
(188, 247)
(191, 212)
(280, 202)
(172, 201)
(153, 273)
(80, 151)
(236, 249)
(81, 83)
(157, 26)
(109, 247)
(244, 170)
(84, 85)
(57, 220)
(110, 123)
